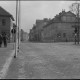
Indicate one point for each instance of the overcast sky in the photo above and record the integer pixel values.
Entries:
(32, 10)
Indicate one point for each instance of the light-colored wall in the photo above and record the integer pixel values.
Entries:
(24, 36)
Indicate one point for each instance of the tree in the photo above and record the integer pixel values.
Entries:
(75, 8)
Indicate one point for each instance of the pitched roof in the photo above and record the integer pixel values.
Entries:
(70, 13)
(57, 18)
(3, 12)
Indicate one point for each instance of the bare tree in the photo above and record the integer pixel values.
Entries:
(75, 8)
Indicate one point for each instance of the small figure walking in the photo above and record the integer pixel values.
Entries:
(0, 40)
(4, 39)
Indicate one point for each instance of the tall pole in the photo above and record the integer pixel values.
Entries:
(16, 30)
(78, 22)
(19, 26)
(75, 8)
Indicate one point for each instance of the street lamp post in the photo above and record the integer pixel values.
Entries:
(75, 37)
(78, 22)
(17, 28)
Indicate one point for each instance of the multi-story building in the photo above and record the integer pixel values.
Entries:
(35, 32)
(60, 27)
(6, 22)
(23, 35)
(32, 34)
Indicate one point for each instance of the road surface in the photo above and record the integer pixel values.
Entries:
(46, 61)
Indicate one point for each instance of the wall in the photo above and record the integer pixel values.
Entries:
(6, 27)
(51, 32)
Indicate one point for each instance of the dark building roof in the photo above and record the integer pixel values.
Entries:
(69, 12)
(3, 12)
(57, 18)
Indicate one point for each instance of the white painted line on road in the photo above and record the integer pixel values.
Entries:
(3, 72)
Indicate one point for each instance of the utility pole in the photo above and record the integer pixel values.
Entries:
(75, 32)
(78, 22)
(75, 9)
(17, 28)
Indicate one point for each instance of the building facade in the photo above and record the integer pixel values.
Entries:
(60, 29)
(35, 32)
(6, 22)
(23, 35)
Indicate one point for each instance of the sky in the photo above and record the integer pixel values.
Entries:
(30, 11)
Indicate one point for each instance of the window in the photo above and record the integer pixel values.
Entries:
(64, 35)
(59, 35)
(3, 22)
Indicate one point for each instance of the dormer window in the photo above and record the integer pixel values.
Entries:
(3, 22)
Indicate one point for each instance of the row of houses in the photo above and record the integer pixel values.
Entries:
(58, 29)
(35, 32)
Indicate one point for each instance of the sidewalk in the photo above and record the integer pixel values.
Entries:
(6, 56)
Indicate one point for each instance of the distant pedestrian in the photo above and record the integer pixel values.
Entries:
(0, 40)
(4, 36)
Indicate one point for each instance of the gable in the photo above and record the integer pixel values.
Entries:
(3, 12)
(69, 13)
(68, 17)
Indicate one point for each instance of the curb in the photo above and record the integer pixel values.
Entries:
(4, 70)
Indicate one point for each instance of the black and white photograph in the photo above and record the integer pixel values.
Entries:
(39, 39)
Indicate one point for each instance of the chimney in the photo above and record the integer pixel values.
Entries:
(63, 10)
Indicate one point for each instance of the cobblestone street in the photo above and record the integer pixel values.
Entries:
(46, 61)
